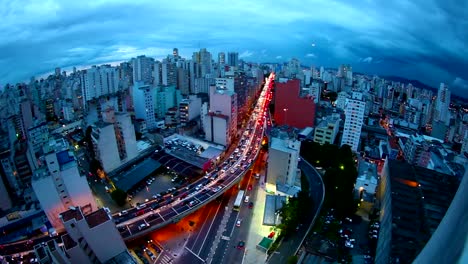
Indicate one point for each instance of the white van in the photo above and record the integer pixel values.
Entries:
(246, 200)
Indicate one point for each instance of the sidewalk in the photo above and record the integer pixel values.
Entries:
(256, 229)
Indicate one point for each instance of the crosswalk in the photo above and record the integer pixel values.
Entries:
(164, 259)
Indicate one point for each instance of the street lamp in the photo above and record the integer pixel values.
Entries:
(285, 115)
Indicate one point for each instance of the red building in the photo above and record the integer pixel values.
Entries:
(290, 109)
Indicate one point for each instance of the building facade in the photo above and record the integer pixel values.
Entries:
(282, 171)
(354, 118)
(327, 129)
(59, 185)
(291, 109)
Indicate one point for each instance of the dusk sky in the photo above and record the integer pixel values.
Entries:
(425, 40)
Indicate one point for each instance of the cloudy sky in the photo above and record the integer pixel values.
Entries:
(425, 40)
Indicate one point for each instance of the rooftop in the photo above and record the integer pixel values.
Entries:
(72, 213)
(127, 180)
(97, 217)
(68, 242)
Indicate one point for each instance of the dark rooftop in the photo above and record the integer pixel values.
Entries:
(71, 214)
(68, 242)
(97, 217)
(176, 164)
(63, 157)
(40, 250)
(127, 180)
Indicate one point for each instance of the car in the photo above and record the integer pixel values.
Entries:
(141, 206)
(271, 235)
(238, 223)
(142, 226)
(199, 186)
(124, 212)
(240, 245)
(250, 187)
(247, 198)
(192, 203)
(251, 205)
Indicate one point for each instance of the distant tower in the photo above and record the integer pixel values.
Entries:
(442, 104)
(233, 59)
(175, 52)
(221, 58)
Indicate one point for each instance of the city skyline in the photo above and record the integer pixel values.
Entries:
(398, 38)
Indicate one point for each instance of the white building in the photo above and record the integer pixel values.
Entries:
(189, 109)
(442, 105)
(99, 81)
(315, 91)
(327, 129)
(221, 121)
(283, 175)
(125, 135)
(59, 185)
(91, 238)
(144, 100)
(225, 84)
(341, 100)
(105, 145)
(354, 112)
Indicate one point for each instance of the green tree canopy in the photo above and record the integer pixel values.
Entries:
(119, 197)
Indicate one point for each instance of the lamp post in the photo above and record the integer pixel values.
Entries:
(285, 115)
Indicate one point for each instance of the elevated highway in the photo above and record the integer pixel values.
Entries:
(170, 208)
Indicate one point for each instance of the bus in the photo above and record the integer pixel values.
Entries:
(238, 202)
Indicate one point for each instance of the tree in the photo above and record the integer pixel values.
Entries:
(292, 260)
(119, 197)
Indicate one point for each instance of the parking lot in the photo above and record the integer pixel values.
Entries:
(344, 240)
(158, 183)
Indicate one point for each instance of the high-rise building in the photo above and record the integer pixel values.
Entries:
(189, 109)
(175, 52)
(202, 85)
(283, 173)
(233, 59)
(105, 145)
(143, 69)
(166, 97)
(183, 81)
(99, 81)
(413, 200)
(221, 58)
(221, 120)
(168, 73)
(38, 135)
(90, 238)
(291, 109)
(203, 59)
(125, 136)
(144, 99)
(59, 185)
(442, 105)
(354, 112)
